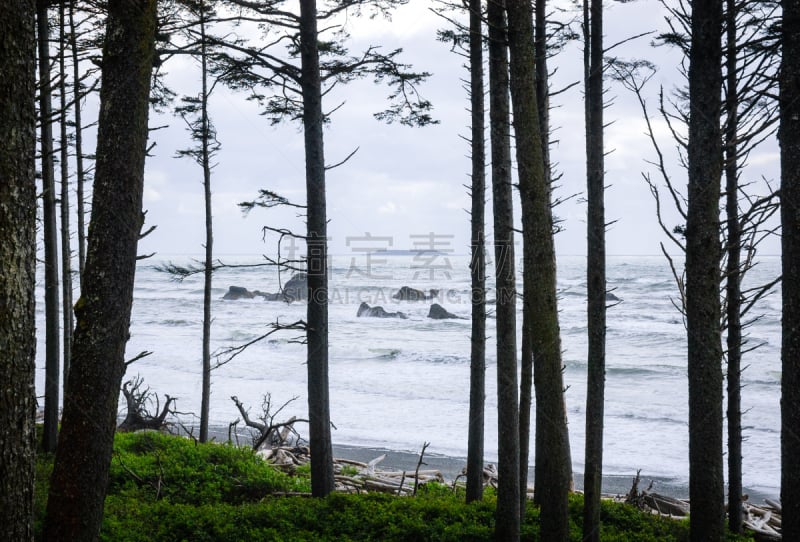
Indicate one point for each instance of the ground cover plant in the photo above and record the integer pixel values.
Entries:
(168, 488)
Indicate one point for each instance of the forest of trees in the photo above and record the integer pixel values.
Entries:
(71, 64)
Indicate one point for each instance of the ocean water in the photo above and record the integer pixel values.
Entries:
(398, 383)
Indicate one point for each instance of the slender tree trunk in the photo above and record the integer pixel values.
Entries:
(80, 474)
(540, 276)
(507, 515)
(477, 380)
(208, 271)
(52, 354)
(317, 245)
(703, 253)
(525, 406)
(80, 174)
(17, 269)
(733, 280)
(596, 274)
(789, 134)
(66, 230)
(543, 103)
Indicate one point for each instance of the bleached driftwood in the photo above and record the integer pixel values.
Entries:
(367, 476)
(763, 520)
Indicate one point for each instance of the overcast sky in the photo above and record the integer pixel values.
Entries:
(408, 183)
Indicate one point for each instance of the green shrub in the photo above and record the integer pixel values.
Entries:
(171, 489)
(155, 466)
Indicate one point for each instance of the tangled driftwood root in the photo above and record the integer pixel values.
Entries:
(763, 520)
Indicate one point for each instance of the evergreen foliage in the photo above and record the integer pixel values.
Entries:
(168, 488)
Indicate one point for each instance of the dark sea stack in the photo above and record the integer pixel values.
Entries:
(407, 293)
(438, 312)
(296, 289)
(364, 310)
(237, 292)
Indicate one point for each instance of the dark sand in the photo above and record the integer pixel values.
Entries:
(451, 467)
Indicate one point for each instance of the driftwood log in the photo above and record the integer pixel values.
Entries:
(764, 521)
(354, 476)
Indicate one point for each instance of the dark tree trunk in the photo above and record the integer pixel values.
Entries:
(733, 279)
(477, 375)
(51, 302)
(703, 253)
(507, 515)
(17, 269)
(208, 271)
(66, 231)
(80, 174)
(595, 273)
(80, 474)
(789, 135)
(318, 394)
(540, 277)
(525, 405)
(543, 103)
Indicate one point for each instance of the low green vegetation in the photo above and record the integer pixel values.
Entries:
(171, 489)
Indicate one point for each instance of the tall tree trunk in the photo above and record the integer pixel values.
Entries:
(789, 134)
(17, 269)
(703, 253)
(80, 174)
(596, 273)
(208, 271)
(477, 375)
(525, 406)
(51, 302)
(543, 103)
(507, 515)
(80, 474)
(733, 279)
(317, 245)
(66, 231)
(540, 276)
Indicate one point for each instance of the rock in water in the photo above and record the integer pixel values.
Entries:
(365, 310)
(438, 312)
(410, 294)
(611, 297)
(237, 292)
(296, 289)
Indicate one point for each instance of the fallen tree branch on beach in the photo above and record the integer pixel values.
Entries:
(419, 464)
(270, 434)
(354, 476)
(763, 520)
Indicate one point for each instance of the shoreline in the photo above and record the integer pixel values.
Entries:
(451, 467)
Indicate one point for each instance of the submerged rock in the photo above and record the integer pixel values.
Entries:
(238, 292)
(437, 312)
(407, 293)
(365, 310)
